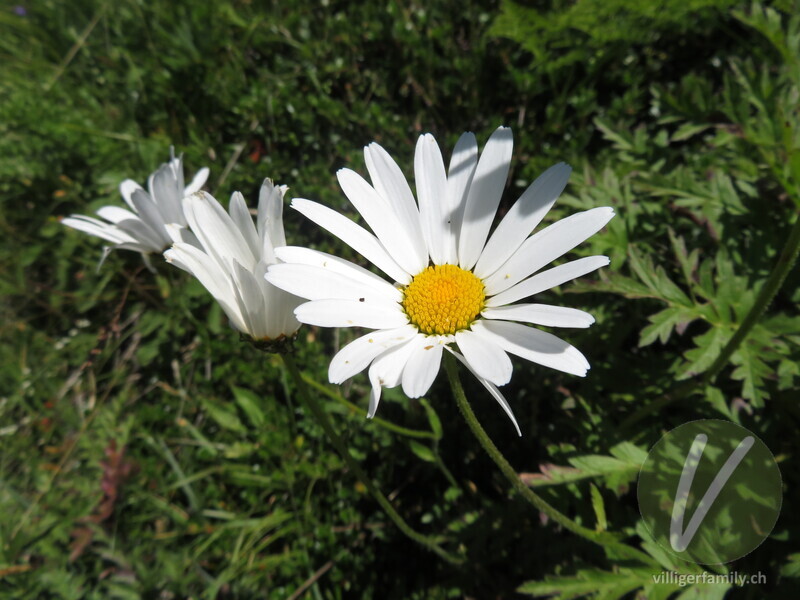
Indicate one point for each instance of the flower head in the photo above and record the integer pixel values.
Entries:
(454, 283)
(233, 257)
(143, 228)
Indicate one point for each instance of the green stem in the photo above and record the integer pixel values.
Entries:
(768, 291)
(603, 538)
(322, 418)
(443, 467)
(765, 296)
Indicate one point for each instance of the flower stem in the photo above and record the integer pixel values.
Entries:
(605, 539)
(768, 291)
(310, 402)
(765, 296)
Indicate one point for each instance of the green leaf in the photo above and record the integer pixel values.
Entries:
(423, 452)
(630, 453)
(591, 582)
(687, 261)
(596, 463)
(224, 416)
(705, 591)
(716, 399)
(616, 284)
(792, 567)
(687, 130)
(788, 371)
(433, 418)
(663, 323)
(599, 508)
(657, 280)
(751, 371)
(616, 471)
(619, 139)
(239, 450)
(708, 347)
(705, 278)
(250, 404)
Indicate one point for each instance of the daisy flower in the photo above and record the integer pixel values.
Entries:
(233, 257)
(454, 285)
(143, 228)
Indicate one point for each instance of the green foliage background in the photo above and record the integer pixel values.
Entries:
(683, 116)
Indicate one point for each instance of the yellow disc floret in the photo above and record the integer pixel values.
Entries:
(443, 299)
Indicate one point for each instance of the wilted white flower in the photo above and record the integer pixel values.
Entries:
(233, 257)
(452, 286)
(143, 228)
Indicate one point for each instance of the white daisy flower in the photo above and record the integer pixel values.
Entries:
(143, 228)
(451, 285)
(233, 257)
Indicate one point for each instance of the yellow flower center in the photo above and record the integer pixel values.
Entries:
(443, 299)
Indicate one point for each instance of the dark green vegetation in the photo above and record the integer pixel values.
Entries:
(145, 452)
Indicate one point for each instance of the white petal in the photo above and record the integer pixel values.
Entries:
(315, 258)
(534, 345)
(175, 260)
(375, 391)
(250, 301)
(380, 217)
(181, 234)
(422, 366)
(355, 236)
(270, 218)
(434, 215)
(136, 228)
(359, 353)
(280, 319)
(484, 196)
(176, 165)
(459, 176)
(523, 218)
(198, 182)
(150, 215)
(216, 281)
(270, 311)
(217, 232)
(98, 228)
(491, 387)
(541, 314)
(487, 358)
(240, 215)
(548, 279)
(136, 246)
(319, 283)
(126, 189)
(391, 363)
(546, 246)
(387, 371)
(115, 214)
(167, 194)
(389, 182)
(351, 313)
